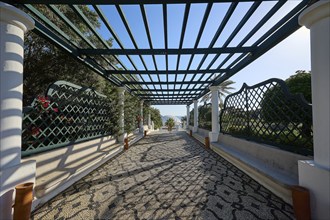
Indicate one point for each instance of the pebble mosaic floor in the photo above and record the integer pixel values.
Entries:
(166, 176)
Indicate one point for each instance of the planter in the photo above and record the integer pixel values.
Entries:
(23, 201)
(301, 203)
(126, 143)
(207, 142)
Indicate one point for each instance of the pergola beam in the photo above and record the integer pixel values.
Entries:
(165, 90)
(219, 50)
(121, 2)
(164, 72)
(143, 96)
(166, 83)
(290, 28)
(43, 31)
(140, 78)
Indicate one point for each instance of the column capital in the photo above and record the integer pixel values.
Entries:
(214, 88)
(11, 15)
(195, 102)
(314, 13)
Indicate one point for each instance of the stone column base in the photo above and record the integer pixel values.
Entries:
(213, 136)
(195, 129)
(122, 137)
(317, 180)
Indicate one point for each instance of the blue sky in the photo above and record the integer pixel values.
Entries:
(282, 61)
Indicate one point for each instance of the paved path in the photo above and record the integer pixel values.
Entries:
(166, 176)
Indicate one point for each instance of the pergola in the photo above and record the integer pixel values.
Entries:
(166, 86)
(178, 86)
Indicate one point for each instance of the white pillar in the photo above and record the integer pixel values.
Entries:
(188, 115)
(149, 120)
(141, 117)
(315, 174)
(121, 103)
(215, 114)
(13, 24)
(195, 129)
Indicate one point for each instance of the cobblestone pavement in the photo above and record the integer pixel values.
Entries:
(166, 176)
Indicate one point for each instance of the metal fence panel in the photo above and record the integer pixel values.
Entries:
(67, 114)
(268, 113)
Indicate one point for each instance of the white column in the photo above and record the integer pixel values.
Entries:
(195, 129)
(315, 174)
(215, 114)
(149, 120)
(188, 115)
(121, 103)
(141, 117)
(13, 24)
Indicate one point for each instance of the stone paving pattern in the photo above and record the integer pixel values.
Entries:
(166, 176)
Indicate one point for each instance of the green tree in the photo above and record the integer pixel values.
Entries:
(300, 83)
(131, 112)
(224, 89)
(156, 117)
(191, 117)
(277, 107)
(205, 116)
(170, 123)
(183, 119)
(44, 63)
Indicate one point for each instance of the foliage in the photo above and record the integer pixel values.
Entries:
(170, 123)
(69, 113)
(183, 119)
(45, 64)
(191, 118)
(131, 112)
(224, 88)
(268, 113)
(205, 116)
(277, 108)
(156, 117)
(112, 97)
(300, 83)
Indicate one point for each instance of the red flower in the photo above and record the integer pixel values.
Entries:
(55, 109)
(44, 101)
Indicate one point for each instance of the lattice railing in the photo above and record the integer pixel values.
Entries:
(67, 114)
(268, 113)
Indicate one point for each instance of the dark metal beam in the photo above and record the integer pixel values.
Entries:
(165, 90)
(47, 34)
(166, 95)
(121, 2)
(156, 103)
(285, 31)
(165, 83)
(162, 72)
(167, 51)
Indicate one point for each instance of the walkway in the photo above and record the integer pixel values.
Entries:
(166, 176)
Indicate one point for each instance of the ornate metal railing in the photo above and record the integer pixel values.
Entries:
(66, 114)
(268, 113)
